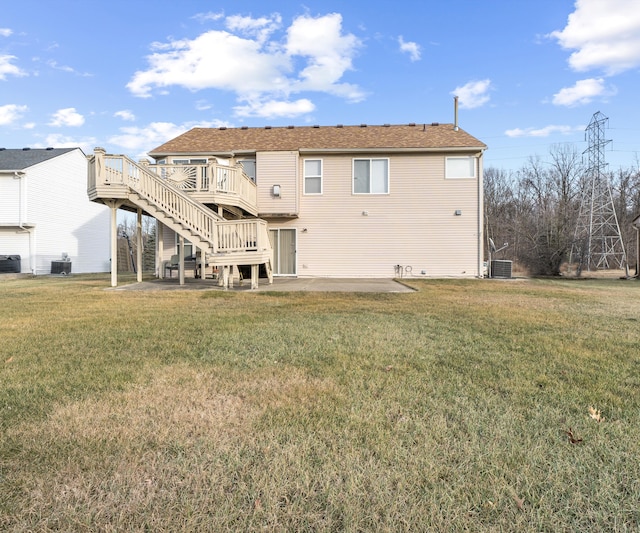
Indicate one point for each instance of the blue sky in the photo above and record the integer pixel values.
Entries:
(130, 75)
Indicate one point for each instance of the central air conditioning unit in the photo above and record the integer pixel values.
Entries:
(501, 269)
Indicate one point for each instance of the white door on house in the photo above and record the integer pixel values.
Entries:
(283, 242)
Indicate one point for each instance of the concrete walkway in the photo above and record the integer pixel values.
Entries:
(279, 284)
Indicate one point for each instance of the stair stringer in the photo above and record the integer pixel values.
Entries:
(229, 261)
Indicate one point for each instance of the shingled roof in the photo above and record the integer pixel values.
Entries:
(21, 158)
(308, 138)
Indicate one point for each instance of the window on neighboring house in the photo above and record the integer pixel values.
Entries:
(313, 176)
(460, 167)
(189, 161)
(371, 176)
(249, 168)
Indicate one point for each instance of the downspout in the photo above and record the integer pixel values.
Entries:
(19, 175)
(480, 216)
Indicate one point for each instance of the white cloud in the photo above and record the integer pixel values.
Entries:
(5, 32)
(604, 34)
(67, 117)
(411, 48)
(258, 60)
(473, 94)
(583, 92)
(65, 68)
(203, 105)
(139, 140)
(260, 28)
(237, 65)
(57, 140)
(10, 113)
(125, 114)
(273, 108)
(6, 68)
(542, 132)
(329, 55)
(210, 15)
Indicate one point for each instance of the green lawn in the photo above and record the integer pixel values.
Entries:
(465, 406)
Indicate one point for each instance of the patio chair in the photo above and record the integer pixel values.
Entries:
(171, 265)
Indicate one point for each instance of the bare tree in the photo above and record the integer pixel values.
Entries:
(128, 244)
(536, 208)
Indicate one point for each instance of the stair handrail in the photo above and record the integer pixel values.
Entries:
(227, 236)
(120, 169)
(211, 177)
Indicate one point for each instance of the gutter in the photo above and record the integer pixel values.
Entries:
(480, 195)
(416, 149)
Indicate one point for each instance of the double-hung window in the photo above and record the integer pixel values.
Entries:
(370, 176)
(313, 176)
(460, 167)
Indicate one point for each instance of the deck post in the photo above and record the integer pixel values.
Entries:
(139, 250)
(98, 166)
(114, 244)
(181, 260)
(160, 249)
(225, 277)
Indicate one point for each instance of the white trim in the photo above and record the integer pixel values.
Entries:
(304, 178)
(473, 161)
(370, 159)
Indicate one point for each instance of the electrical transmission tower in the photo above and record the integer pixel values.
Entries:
(597, 241)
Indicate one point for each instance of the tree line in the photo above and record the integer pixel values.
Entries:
(536, 208)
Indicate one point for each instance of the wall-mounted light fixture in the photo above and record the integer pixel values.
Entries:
(365, 213)
(275, 190)
(457, 212)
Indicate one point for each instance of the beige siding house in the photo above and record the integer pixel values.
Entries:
(333, 201)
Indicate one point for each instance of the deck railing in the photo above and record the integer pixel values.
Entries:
(211, 178)
(243, 236)
(223, 235)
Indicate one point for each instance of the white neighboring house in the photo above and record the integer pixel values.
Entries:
(45, 213)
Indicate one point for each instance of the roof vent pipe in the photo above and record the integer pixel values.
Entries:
(455, 113)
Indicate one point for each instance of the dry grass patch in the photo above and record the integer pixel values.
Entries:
(466, 406)
(128, 460)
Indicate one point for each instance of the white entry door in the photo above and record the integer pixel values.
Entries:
(283, 242)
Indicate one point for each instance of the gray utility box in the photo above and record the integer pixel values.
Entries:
(10, 264)
(501, 269)
(61, 267)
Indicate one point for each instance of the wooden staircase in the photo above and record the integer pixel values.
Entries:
(226, 244)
